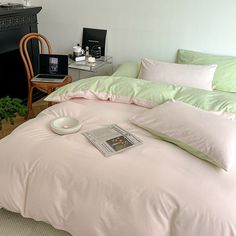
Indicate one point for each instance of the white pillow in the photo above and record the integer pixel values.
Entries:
(196, 76)
(203, 134)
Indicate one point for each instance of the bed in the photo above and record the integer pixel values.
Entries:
(156, 188)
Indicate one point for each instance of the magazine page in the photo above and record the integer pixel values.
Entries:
(112, 139)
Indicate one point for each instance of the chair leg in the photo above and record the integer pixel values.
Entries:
(29, 104)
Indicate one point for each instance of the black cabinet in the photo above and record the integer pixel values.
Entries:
(14, 24)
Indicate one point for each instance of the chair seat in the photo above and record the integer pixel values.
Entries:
(47, 85)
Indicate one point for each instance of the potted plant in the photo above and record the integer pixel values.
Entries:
(9, 108)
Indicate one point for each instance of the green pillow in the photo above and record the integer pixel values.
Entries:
(225, 75)
(129, 69)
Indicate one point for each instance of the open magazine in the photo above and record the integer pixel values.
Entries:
(112, 139)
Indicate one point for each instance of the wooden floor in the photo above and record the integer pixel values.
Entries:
(7, 127)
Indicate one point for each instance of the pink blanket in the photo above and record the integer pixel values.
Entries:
(150, 190)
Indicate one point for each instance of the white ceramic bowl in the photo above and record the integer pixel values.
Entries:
(65, 125)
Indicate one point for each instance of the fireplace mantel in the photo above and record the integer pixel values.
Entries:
(14, 24)
(19, 10)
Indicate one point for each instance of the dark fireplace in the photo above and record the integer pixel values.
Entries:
(15, 23)
(13, 79)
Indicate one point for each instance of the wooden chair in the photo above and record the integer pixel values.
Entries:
(42, 86)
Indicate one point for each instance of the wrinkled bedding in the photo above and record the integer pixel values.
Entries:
(150, 190)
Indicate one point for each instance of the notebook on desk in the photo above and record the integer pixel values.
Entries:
(52, 68)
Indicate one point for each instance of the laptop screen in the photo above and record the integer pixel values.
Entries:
(53, 64)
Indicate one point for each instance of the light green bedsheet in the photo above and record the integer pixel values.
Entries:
(13, 224)
(145, 93)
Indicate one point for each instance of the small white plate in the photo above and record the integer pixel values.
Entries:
(65, 125)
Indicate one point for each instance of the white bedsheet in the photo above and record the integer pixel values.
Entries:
(155, 189)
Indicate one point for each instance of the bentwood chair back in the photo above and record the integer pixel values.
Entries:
(44, 47)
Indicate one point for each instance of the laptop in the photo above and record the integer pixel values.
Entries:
(52, 68)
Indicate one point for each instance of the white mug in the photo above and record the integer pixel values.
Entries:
(78, 50)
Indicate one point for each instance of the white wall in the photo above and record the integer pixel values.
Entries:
(142, 28)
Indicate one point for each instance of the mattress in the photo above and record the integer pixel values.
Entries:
(152, 189)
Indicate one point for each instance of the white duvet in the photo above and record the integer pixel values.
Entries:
(155, 189)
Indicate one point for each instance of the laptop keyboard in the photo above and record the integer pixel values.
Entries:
(51, 76)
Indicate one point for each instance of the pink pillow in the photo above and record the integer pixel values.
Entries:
(196, 76)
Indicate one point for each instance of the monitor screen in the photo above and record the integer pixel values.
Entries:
(53, 64)
(94, 37)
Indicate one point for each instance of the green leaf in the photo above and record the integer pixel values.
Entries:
(9, 108)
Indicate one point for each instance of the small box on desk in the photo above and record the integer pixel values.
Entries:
(77, 58)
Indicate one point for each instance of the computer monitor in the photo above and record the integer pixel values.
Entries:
(94, 37)
(53, 64)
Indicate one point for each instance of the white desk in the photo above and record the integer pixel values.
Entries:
(90, 67)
